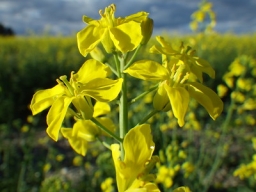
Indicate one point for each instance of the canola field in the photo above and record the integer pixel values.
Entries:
(204, 154)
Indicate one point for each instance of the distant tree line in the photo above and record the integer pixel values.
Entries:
(6, 31)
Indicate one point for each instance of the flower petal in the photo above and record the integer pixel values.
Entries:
(165, 47)
(102, 89)
(83, 106)
(179, 99)
(85, 130)
(119, 166)
(44, 98)
(88, 38)
(79, 145)
(139, 146)
(101, 108)
(56, 116)
(127, 36)
(161, 99)
(148, 70)
(138, 17)
(107, 42)
(91, 69)
(204, 66)
(207, 98)
(151, 187)
(182, 189)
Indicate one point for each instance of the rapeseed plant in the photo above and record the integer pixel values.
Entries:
(178, 77)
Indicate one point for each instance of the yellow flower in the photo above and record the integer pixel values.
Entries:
(24, 128)
(182, 189)
(60, 157)
(85, 131)
(123, 34)
(165, 176)
(249, 104)
(188, 168)
(238, 96)
(178, 81)
(132, 174)
(89, 82)
(106, 185)
(77, 161)
(222, 90)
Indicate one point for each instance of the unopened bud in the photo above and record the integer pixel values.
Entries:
(147, 30)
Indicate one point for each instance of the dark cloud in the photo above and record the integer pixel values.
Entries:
(65, 16)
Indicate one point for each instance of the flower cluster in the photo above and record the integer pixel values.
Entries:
(85, 96)
(180, 77)
(246, 171)
(89, 82)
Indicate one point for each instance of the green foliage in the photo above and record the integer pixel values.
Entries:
(28, 64)
(30, 162)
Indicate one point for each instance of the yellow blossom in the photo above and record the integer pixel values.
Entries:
(85, 131)
(238, 96)
(123, 34)
(182, 189)
(222, 90)
(106, 185)
(59, 157)
(77, 161)
(132, 173)
(177, 82)
(89, 82)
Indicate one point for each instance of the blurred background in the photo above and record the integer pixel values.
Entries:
(38, 45)
(63, 17)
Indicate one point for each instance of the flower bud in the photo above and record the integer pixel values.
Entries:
(147, 29)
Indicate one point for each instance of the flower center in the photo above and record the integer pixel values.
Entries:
(109, 15)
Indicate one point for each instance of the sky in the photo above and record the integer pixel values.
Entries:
(64, 17)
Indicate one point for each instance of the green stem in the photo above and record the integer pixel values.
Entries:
(106, 130)
(151, 114)
(224, 131)
(72, 112)
(112, 69)
(123, 114)
(104, 143)
(218, 158)
(145, 93)
(133, 57)
(20, 185)
(117, 65)
(190, 140)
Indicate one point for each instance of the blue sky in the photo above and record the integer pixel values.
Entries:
(65, 16)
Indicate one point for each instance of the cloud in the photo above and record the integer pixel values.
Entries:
(65, 16)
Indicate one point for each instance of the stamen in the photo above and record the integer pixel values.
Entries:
(109, 14)
(101, 13)
(185, 77)
(68, 85)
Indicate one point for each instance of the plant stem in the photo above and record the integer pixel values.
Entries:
(145, 93)
(106, 130)
(151, 114)
(117, 65)
(218, 158)
(132, 58)
(123, 114)
(112, 69)
(104, 143)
